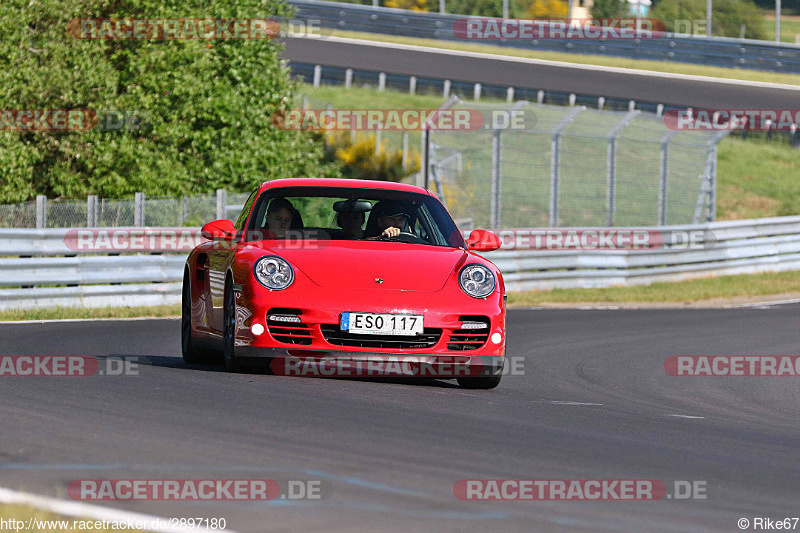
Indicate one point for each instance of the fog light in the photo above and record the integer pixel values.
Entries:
(496, 338)
(257, 329)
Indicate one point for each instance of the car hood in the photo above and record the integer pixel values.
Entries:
(358, 264)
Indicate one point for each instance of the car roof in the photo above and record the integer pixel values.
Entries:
(331, 182)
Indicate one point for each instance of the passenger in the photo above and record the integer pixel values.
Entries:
(351, 223)
(280, 214)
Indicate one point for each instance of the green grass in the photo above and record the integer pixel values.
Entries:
(103, 312)
(790, 27)
(756, 178)
(745, 285)
(587, 59)
(696, 290)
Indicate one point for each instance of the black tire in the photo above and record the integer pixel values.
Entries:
(232, 364)
(481, 382)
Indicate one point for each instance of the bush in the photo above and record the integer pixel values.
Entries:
(359, 160)
(207, 104)
(413, 5)
(547, 9)
(727, 16)
(609, 8)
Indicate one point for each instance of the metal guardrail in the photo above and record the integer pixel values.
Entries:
(90, 280)
(717, 51)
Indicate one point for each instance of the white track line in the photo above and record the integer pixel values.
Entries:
(95, 512)
(562, 64)
(686, 416)
(66, 320)
(766, 304)
(567, 402)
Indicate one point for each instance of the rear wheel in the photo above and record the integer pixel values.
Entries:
(229, 329)
(481, 382)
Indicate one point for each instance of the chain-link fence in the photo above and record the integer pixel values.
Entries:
(552, 166)
(192, 211)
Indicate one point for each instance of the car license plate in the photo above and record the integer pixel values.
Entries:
(382, 324)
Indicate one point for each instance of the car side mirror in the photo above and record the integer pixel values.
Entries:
(218, 230)
(481, 240)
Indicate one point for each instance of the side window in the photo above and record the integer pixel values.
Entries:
(240, 222)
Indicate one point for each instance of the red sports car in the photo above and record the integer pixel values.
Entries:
(344, 278)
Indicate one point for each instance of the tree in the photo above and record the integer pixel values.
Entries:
(206, 104)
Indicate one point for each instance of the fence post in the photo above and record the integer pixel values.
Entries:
(412, 85)
(510, 95)
(41, 211)
(222, 199)
(540, 97)
(91, 211)
(426, 156)
(446, 89)
(378, 140)
(476, 92)
(422, 175)
(404, 162)
(600, 103)
(611, 165)
(663, 173)
(348, 78)
(555, 162)
(138, 209)
(317, 75)
(382, 81)
(497, 177)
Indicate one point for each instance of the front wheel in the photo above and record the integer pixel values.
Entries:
(481, 382)
(190, 353)
(232, 364)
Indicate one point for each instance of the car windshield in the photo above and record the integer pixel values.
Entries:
(352, 214)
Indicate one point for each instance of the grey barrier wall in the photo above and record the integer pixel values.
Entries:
(45, 268)
(717, 51)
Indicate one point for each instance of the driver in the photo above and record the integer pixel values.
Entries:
(392, 219)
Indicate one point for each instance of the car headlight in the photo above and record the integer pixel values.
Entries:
(476, 280)
(273, 272)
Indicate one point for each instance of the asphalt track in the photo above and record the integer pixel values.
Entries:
(563, 78)
(390, 452)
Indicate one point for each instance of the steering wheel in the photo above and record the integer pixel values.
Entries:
(404, 236)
